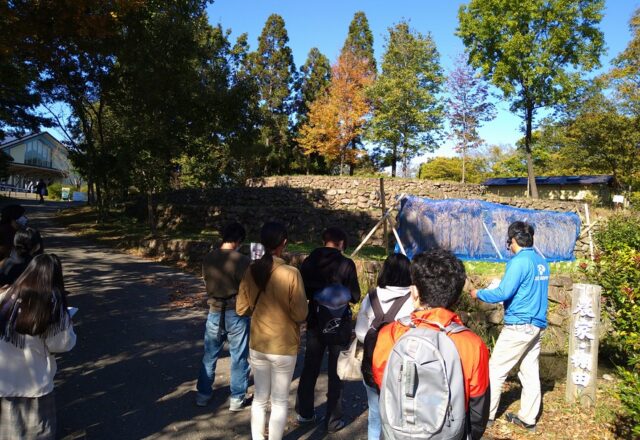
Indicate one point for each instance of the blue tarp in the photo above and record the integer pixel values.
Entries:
(477, 230)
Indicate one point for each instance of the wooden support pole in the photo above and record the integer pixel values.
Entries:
(586, 214)
(582, 365)
(383, 202)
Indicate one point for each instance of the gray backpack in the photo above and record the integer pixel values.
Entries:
(422, 394)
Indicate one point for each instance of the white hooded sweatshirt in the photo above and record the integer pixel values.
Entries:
(386, 295)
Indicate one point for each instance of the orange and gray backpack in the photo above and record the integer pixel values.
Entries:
(422, 395)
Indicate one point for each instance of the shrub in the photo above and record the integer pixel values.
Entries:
(617, 270)
(55, 191)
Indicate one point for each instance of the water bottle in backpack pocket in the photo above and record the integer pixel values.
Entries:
(422, 394)
(333, 314)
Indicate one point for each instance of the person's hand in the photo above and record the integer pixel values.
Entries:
(473, 293)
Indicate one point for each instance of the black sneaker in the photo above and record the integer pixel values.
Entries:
(511, 417)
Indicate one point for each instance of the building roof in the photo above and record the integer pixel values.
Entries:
(551, 180)
(11, 141)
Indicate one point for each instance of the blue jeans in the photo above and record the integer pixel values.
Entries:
(375, 424)
(236, 331)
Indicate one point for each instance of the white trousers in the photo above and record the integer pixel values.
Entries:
(272, 374)
(521, 341)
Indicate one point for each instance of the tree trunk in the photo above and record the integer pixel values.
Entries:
(533, 188)
(394, 158)
(342, 153)
(151, 218)
(463, 162)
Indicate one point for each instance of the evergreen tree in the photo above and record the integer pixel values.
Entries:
(313, 80)
(407, 114)
(360, 40)
(274, 72)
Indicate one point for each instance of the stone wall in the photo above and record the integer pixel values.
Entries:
(308, 204)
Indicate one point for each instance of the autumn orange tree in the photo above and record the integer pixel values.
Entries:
(337, 117)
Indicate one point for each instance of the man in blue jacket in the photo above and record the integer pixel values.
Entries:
(524, 291)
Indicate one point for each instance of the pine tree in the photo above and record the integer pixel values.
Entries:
(274, 72)
(407, 115)
(360, 40)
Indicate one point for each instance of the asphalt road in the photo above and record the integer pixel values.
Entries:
(132, 373)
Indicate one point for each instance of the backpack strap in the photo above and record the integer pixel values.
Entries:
(395, 307)
(454, 327)
(378, 313)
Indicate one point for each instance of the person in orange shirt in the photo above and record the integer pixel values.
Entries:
(438, 278)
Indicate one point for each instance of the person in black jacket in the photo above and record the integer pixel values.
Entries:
(27, 243)
(323, 267)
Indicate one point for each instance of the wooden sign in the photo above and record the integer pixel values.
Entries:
(582, 367)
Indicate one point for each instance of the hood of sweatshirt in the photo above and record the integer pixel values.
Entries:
(321, 268)
(391, 293)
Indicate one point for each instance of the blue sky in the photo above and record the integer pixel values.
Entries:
(324, 24)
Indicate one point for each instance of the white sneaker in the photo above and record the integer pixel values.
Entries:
(240, 404)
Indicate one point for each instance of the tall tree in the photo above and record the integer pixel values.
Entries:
(626, 71)
(360, 40)
(606, 140)
(313, 80)
(337, 118)
(274, 71)
(467, 107)
(407, 115)
(534, 51)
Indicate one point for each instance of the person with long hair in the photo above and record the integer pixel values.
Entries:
(392, 289)
(273, 294)
(34, 323)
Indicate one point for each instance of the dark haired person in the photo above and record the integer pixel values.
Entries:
(393, 285)
(273, 294)
(438, 278)
(222, 270)
(34, 323)
(26, 244)
(12, 219)
(325, 266)
(524, 289)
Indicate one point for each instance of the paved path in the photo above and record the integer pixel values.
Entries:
(132, 373)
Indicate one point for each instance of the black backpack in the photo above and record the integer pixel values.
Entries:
(380, 320)
(333, 314)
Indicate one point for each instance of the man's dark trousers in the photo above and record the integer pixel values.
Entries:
(314, 353)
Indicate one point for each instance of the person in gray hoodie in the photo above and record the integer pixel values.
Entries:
(393, 285)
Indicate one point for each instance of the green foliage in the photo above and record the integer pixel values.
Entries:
(407, 115)
(450, 169)
(274, 71)
(533, 51)
(360, 40)
(626, 71)
(617, 270)
(54, 191)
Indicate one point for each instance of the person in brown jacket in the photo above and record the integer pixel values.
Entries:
(273, 294)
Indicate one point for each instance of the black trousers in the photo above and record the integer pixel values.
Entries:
(310, 371)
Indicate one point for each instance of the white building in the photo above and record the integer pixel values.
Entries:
(37, 156)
